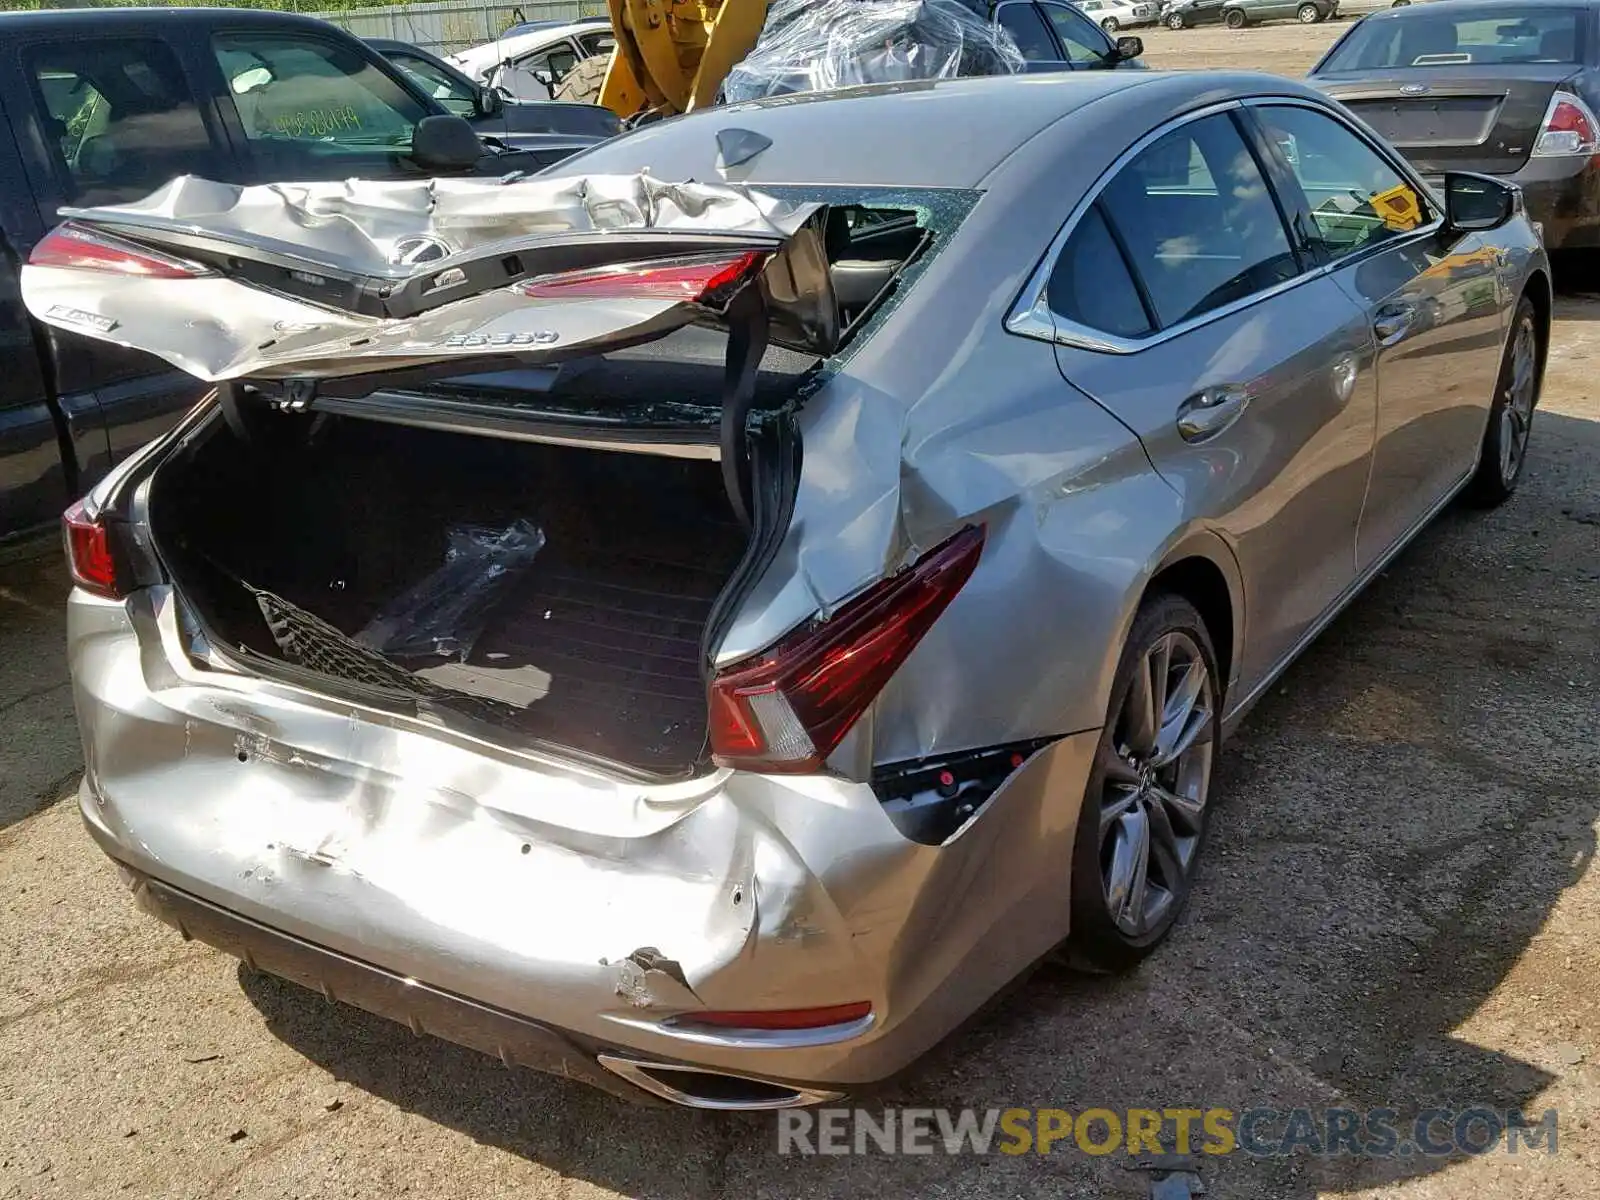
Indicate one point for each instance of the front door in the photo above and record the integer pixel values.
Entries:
(1432, 301)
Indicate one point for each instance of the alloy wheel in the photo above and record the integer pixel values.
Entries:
(1157, 773)
(1516, 411)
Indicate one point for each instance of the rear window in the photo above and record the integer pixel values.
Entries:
(1437, 37)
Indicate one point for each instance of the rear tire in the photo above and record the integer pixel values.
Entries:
(1175, 21)
(582, 84)
(1308, 14)
(1516, 395)
(1111, 25)
(1401, 4)
(1234, 18)
(1145, 808)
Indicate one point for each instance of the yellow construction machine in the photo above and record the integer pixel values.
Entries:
(671, 55)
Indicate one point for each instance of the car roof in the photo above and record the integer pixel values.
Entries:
(47, 19)
(879, 135)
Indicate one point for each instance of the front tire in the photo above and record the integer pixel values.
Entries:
(1308, 14)
(1234, 18)
(1145, 809)
(1516, 395)
(1175, 21)
(1111, 25)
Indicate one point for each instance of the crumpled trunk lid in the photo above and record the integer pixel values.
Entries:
(324, 281)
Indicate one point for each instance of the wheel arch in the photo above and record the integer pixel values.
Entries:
(1202, 569)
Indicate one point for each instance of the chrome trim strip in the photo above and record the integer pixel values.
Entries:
(634, 1070)
(751, 1039)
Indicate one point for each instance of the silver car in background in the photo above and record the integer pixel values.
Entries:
(707, 638)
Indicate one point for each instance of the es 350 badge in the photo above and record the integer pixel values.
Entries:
(495, 341)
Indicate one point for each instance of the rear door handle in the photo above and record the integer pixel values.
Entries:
(1205, 414)
(1391, 322)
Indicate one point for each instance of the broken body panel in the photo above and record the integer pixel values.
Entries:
(298, 808)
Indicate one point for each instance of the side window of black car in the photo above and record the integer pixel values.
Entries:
(1027, 29)
(120, 118)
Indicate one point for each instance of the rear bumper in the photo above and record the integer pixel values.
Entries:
(545, 913)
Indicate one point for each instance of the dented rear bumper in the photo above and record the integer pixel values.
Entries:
(515, 894)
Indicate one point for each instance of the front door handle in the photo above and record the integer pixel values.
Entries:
(1205, 414)
(1391, 321)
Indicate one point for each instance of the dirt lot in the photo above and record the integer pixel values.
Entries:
(1400, 909)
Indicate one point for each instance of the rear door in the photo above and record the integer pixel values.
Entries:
(104, 119)
(1183, 302)
(33, 478)
(1431, 299)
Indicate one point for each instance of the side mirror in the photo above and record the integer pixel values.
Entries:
(445, 143)
(488, 102)
(1129, 47)
(1473, 203)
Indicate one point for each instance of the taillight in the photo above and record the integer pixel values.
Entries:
(696, 279)
(83, 249)
(89, 553)
(781, 1018)
(1569, 128)
(787, 711)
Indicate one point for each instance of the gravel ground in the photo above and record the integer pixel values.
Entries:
(1399, 909)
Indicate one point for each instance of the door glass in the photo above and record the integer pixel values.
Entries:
(304, 101)
(550, 66)
(1082, 39)
(120, 118)
(1199, 221)
(452, 93)
(1027, 29)
(1356, 198)
(1091, 286)
(598, 43)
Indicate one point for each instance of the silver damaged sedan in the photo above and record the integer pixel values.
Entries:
(703, 620)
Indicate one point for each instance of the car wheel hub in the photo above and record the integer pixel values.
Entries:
(1516, 414)
(1157, 776)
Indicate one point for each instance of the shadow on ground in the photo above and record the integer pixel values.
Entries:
(1401, 815)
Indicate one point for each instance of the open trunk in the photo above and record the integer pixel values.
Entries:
(541, 401)
(594, 645)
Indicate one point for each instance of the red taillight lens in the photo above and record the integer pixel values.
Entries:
(83, 249)
(786, 1018)
(787, 711)
(1569, 128)
(89, 553)
(694, 280)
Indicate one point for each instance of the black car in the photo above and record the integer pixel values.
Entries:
(103, 106)
(1508, 89)
(524, 124)
(1186, 14)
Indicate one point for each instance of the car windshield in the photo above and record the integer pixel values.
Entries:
(1440, 37)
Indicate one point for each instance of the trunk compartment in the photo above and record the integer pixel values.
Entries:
(597, 642)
